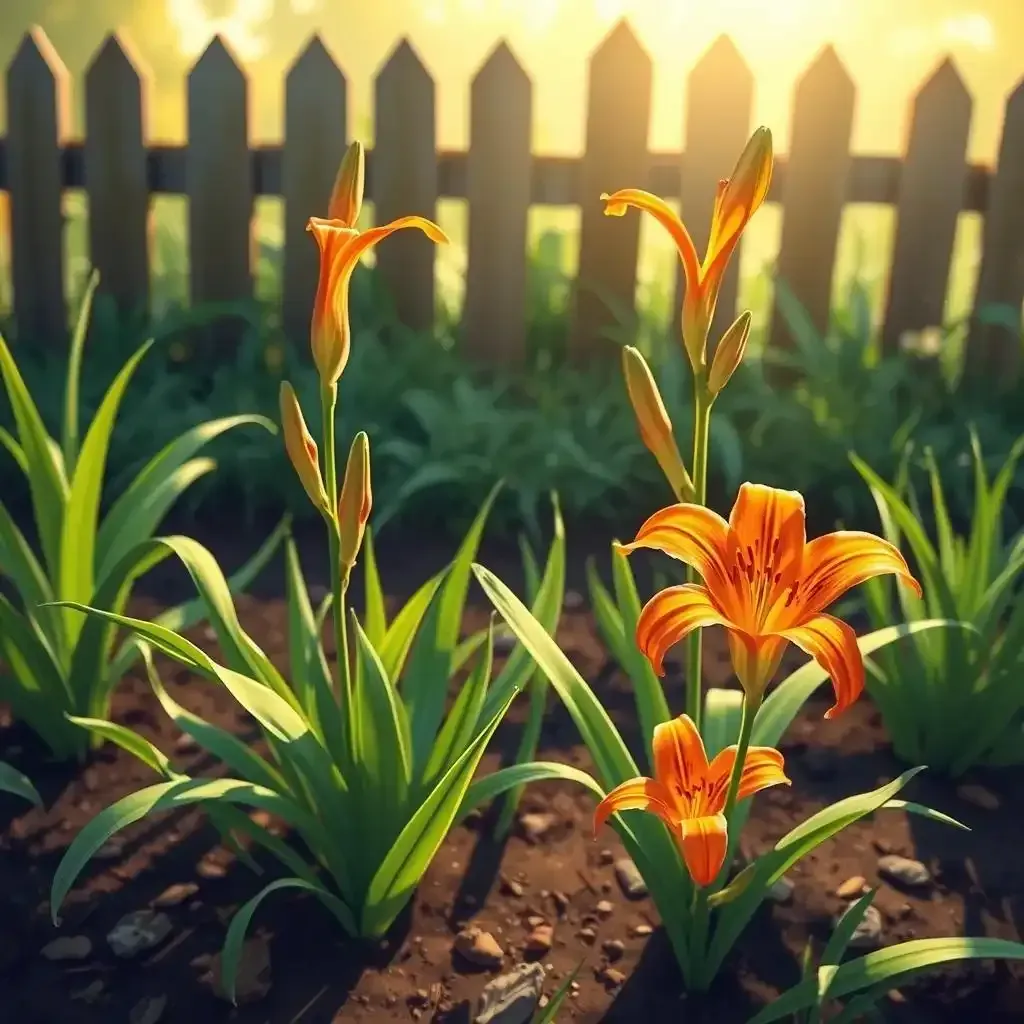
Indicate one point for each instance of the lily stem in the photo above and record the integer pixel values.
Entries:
(749, 713)
(328, 403)
(701, 433)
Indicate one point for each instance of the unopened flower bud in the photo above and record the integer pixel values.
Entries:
(347, 195)
(355, 502)
(301, 448)
(729, 353)
(652, 419)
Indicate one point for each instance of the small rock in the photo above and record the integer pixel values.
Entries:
(979, 796)
(510, 887)
(868, 933)
(511, 998)
(573, 601)
(504, 641)
(781, 890)
(604, 909)
(110, 850)
(175, 895)
(535, 824)
(587, 935)
(68, 947)
(137, 932)
(605, 857)
(613, 949)
(641, 931)
(561, 902)
(630, 879)
(148, 1010)
(253, 979)
(903, 871)
(91, 993)
(612, 977)
(539, 941)
(478, 947)
(534, 921)
(852, 888)
(210, 869)
(185, 744)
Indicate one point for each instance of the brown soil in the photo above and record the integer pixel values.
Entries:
(318, 976)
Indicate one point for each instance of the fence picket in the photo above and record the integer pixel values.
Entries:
(618, 116)
(931, 194)
(37, 120)
(115, 173)
(403, 181)
(315, 109)
(817, 174)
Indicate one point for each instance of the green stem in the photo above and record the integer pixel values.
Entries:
(701, 432)
(749, 713)
(328, 403)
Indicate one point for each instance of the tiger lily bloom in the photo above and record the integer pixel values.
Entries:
(737, 200)
(341, 246)
(689, 794)
(765, 584)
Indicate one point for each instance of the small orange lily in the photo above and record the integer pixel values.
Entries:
(689, 794)
(737, 200)
(765, 584)
(341, 246)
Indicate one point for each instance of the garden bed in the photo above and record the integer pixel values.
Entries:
(556, 876)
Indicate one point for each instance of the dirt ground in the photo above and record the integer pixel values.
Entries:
(558, 876)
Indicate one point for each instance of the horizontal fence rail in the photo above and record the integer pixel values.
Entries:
(221, 173)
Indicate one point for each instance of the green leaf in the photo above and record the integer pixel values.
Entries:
(127, 739)
(399, 874)
(516, 776)
(47, 482)
(375, 615)
(398, 639)
(741, 898)
(548, 1014)
(14, 450)
(74, 373)
(427, 673)
(234, 940)
(840, 938)
(137, 513)
(606, 616)
(885, 968)
(160, 797)
(15, 782)
(78, 537)
(723, 710)
(460, 726)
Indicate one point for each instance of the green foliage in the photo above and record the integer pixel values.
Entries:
(927, 689)
(656, 855)
(54, 664)
(19, 784)
(375, 749)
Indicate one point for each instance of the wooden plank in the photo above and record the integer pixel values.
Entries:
(931, 191)
(556, 180)
(498, 186)
(994, 350)
(115, 172)
(315, 109)
(615, 156)
(217, 178)
(816, 186)
(37, 122)
(405, 182)
(719, 106)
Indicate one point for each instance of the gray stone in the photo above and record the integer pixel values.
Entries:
(511, 998)
(903, 871)
(868, 933)
(781, 890)
(68, 947)
(630, 879)
(137, 932)
(149, 1010)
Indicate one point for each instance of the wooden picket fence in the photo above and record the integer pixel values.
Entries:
(221, 172)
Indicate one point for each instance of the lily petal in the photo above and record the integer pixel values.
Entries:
(762, 767)
(837, 562)
(616, 204)
(671, 615)
(693, 534)
(767, 528)
(639, 794)
(833, 645)
(680, 761)
(704, 842)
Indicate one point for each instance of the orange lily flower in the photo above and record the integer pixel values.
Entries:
(688, 793)
(341, 246)
(737, 200)
(765, 584)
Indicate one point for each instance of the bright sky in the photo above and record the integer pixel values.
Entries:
(889, 47)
